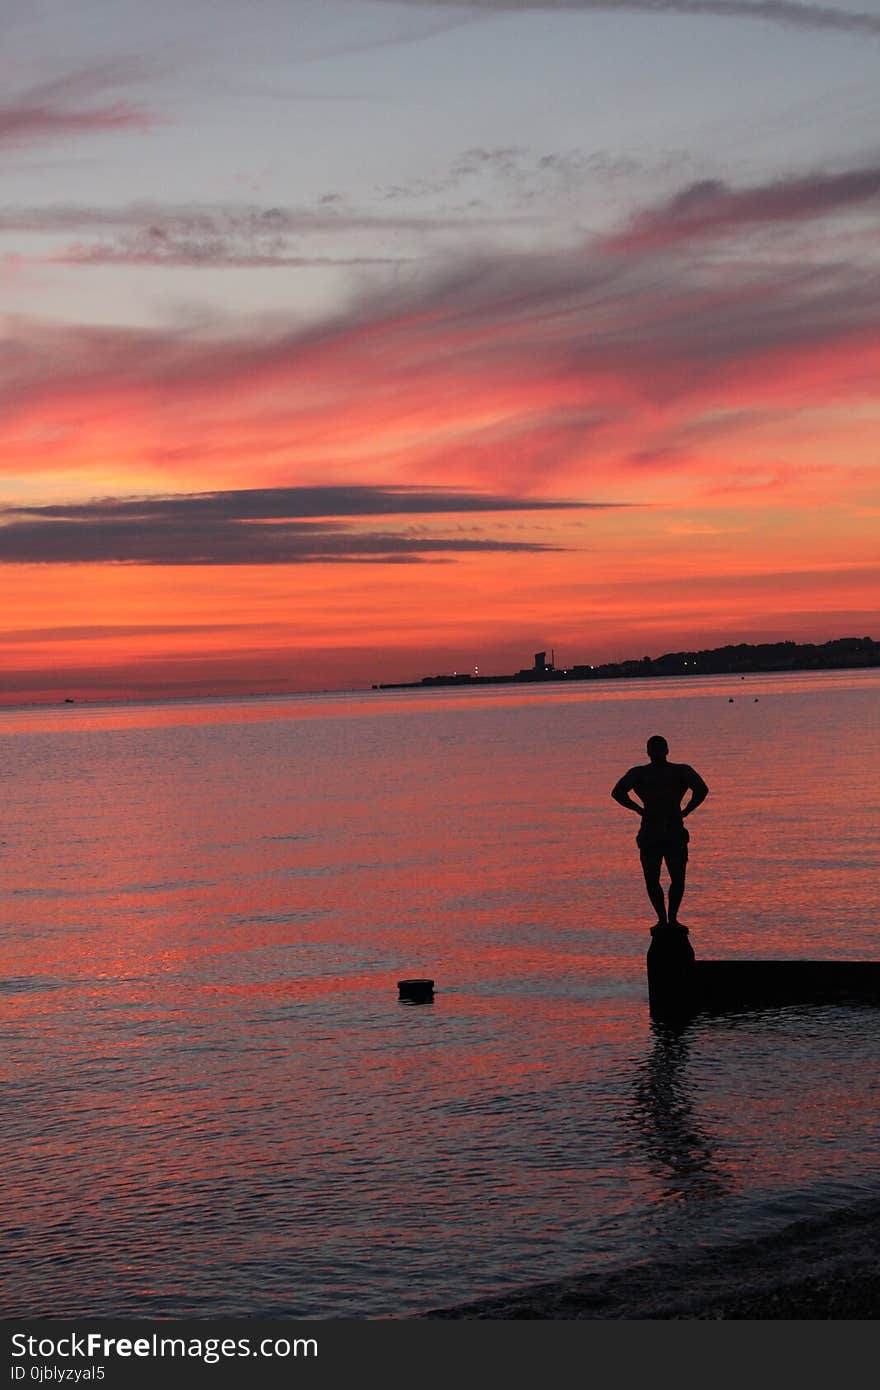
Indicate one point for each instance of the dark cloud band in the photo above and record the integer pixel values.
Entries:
(271, 526)
(712, 208)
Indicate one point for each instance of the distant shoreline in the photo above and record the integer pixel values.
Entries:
(764, 658)
(842, 654)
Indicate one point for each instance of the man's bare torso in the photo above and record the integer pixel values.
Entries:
(660, 787)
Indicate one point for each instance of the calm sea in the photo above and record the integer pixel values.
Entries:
(214, 1102)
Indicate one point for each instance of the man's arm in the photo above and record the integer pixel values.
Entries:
(698, 790)
(620, 791)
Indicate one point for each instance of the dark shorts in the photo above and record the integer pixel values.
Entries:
(657, 845)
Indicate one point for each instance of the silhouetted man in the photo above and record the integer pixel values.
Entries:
(660, 786)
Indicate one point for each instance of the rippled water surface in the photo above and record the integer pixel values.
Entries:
(214, 1102)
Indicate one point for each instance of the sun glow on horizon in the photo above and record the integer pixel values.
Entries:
(643, 361)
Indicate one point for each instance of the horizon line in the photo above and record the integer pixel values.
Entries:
(56, 701)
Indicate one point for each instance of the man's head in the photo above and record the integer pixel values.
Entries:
(658, 748)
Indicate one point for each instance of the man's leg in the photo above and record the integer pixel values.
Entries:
(651, 862)
(676, 863)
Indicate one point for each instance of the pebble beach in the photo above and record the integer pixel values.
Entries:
(814, 1270)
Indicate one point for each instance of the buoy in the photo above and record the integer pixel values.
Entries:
(416, 991)
(730, 701)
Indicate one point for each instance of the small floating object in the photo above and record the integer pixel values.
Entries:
(416, 991)
(730, 701)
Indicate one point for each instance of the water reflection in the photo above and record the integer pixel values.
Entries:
(678, 1143)
(237, 1068)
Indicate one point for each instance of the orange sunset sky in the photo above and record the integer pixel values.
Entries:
(355, 342)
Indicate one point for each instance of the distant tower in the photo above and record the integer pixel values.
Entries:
(540, 662)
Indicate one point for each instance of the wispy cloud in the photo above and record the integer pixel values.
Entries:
(788, 12)
(218, 219)
(256, 526)
(712, 208)
(216, 235)
(157, 248)
(507, 371)
(420, 31)
(91, 632)
(73, 104)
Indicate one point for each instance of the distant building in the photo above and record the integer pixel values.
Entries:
(542, 669)
(842, 652)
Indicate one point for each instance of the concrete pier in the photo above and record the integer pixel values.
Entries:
(723, 984)
(671, 979)
(680, 985)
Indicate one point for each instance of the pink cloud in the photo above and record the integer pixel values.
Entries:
(527, 367)
(71, 105)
